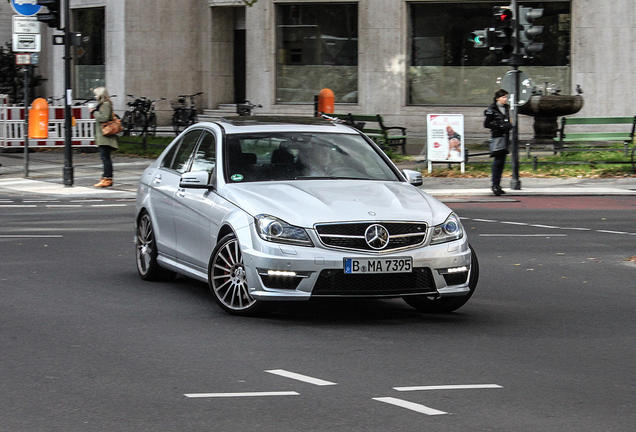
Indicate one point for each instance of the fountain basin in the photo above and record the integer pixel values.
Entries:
(545, 109)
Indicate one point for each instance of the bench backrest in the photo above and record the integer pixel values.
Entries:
(598, 120)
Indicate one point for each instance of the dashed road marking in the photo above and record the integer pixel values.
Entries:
(449, 387)
(410, 405)
(299, 377)
(243, 394)
(543, 226)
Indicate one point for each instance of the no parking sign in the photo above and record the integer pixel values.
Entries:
(26, 7)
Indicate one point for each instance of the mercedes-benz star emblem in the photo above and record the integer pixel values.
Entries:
(377, 236)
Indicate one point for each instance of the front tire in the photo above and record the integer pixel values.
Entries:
(429, 304)
(228, 282)
(146, 253)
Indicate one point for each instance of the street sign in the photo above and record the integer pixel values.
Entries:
(26, 42)
(26, 34)
(23, 59)
(24, 24)
(525, 86)
(26, 7)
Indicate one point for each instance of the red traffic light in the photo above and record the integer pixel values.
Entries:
(502, 15)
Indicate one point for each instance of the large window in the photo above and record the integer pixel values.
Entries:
(445, 67)
(89, 58)
(317, 47)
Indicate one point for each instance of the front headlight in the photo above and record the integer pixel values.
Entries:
(273, 229)
(450, 230)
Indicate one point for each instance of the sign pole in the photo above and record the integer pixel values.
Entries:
(26, 121)
(68, 150)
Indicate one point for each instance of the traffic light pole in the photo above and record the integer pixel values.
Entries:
(515, 183)
(68, 125)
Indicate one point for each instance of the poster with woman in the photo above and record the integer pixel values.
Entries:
(445, 133)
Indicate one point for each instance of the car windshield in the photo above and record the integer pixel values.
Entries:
(301, 156)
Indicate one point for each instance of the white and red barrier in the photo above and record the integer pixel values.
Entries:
(13, 128)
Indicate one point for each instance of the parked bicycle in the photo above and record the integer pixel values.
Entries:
(140, 119)
(245, 108)
(183, 115)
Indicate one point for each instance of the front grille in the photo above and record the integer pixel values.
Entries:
(332, 283)
(351, 235)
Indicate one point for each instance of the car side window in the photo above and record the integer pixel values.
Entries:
(205, 157)
(184, 153)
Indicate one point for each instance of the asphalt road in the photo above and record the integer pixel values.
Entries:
(547, 343)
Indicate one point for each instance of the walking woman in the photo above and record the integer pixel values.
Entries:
(498, 121)
(103, 113)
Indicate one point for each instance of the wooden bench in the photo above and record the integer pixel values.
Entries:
(626, 136)
(391, 136)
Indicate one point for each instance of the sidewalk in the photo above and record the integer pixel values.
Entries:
(46, 179)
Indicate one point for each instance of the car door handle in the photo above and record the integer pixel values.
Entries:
(157, 179)
(181, 193)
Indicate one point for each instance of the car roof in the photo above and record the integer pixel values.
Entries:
(239, 125)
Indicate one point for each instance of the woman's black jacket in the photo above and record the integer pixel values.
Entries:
(496, 121)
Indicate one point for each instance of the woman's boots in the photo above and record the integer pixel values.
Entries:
(104, 182)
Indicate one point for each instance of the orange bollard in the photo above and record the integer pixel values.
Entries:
(326, 100)
(39, 119)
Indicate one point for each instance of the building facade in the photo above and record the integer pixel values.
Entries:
(402, 59)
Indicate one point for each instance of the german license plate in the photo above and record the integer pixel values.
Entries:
(378, 265)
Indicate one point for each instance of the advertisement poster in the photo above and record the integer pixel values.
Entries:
(445, 137)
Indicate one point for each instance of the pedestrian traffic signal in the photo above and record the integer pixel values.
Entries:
(528, 31)
(52, 17)
(503, 37)
(479, 38)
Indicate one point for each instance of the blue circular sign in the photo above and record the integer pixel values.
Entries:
(26, 7)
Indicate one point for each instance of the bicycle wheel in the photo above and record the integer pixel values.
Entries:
(139, 126)
(179, 121)
(192, 118)
(152, 124)
(127, 123)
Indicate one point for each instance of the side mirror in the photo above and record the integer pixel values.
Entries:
(195, 180)
(413, 177)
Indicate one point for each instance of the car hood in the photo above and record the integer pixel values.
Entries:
(304, 203)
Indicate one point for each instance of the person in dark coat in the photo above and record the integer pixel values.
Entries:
(498, 121)
(103, 113)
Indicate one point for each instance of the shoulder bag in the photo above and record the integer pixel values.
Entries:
(112, 127)
(498, 144)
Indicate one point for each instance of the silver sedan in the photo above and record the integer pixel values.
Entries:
(265, 211)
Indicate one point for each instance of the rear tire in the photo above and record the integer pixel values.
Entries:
(430, 304)
(146, 252)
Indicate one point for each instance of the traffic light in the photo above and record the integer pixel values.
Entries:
(503, 37)
(480, 38)
(52, 18)
(527, 30)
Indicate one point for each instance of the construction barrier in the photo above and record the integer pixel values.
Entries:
(13, 128)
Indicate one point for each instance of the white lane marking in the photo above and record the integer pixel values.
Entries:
(299, 377)
(62, 205)
(576, 229)
(543, 226)
(244, 394)
(410, 405)
(612, 232)
(448, 387)
(30, 236)
(514, 223)
(109, 205)
(523, 235)
(484, 220)
(19, 205)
